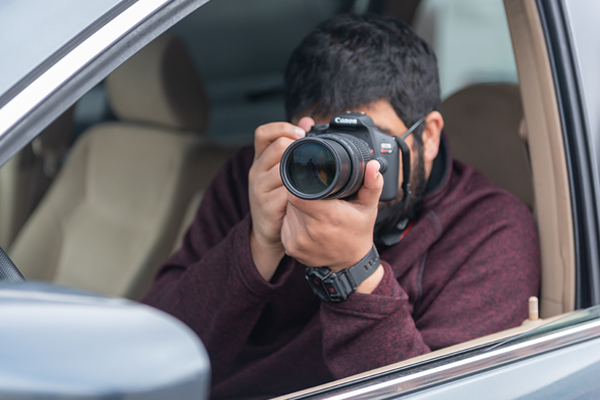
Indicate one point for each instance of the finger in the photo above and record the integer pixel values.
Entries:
(287, 229)
(291, 229)
(285, 234)
(269, 133)
(318, 210)
(276, 201)
(272, 154)
(306, 123)
(368, 195)
(305, 206)
(271, 180)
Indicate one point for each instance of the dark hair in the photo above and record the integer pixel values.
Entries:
(353, 60)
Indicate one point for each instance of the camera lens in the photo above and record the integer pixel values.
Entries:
(311, 168)
(328, 166)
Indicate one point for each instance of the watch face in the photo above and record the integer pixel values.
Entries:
(322, 282)
(315, 280)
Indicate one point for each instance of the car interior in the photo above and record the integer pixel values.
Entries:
(102, 197)
(117, 205)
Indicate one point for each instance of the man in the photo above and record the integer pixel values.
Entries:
(458, 262)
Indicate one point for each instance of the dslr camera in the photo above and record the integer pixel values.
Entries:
(330, 162)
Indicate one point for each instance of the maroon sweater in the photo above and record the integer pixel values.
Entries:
(464, 270)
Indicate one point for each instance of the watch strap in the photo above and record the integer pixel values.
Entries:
(359, 272)
(335, 287)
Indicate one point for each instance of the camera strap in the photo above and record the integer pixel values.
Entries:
(406, 188)
(389, 219)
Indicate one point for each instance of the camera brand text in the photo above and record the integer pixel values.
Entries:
(340, 120)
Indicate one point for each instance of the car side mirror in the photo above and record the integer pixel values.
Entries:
(57, 342)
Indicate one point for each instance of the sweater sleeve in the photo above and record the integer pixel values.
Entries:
(475, 281)
(211, 283)
(368, 331)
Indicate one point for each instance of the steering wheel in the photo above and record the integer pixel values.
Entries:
(8, 270)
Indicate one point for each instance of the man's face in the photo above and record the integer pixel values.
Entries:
(388, 122)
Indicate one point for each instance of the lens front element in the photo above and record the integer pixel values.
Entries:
(311, 168)
(328, 166)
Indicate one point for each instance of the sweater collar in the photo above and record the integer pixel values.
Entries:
(439, 179)
(439, 170)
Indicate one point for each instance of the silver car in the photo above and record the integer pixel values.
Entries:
(115, 115)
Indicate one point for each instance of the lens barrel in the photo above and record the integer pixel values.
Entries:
(327, 166)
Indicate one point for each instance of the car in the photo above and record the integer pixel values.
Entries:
(89, 199)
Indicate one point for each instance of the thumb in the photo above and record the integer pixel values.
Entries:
(368, 195)
(306, 123)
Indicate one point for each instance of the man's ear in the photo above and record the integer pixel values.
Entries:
(434, 123)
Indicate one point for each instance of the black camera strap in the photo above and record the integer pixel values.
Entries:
(390, 218)
(406, 188)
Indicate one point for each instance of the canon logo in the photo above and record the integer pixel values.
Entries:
(340, 120)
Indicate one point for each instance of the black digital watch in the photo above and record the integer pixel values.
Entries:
(336, 287)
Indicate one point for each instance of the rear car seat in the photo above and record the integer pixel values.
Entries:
(482, 124)
(113, 213)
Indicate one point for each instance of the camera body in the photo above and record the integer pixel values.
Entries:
(330, 161)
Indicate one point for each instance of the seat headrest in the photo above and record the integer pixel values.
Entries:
(482, 123)
(160, 85)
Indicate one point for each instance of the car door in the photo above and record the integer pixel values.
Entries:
(554, 71)
(555, 361)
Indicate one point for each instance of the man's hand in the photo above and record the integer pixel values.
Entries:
(268, 196)
(334, 233)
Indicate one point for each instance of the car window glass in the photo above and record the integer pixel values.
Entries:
(49, 26)
(584, 35)
(471, 41)
(585, 30)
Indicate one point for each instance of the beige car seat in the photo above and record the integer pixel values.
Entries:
(112, 215)
(25, 177)
(482, 122)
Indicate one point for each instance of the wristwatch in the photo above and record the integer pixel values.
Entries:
(336, 287)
